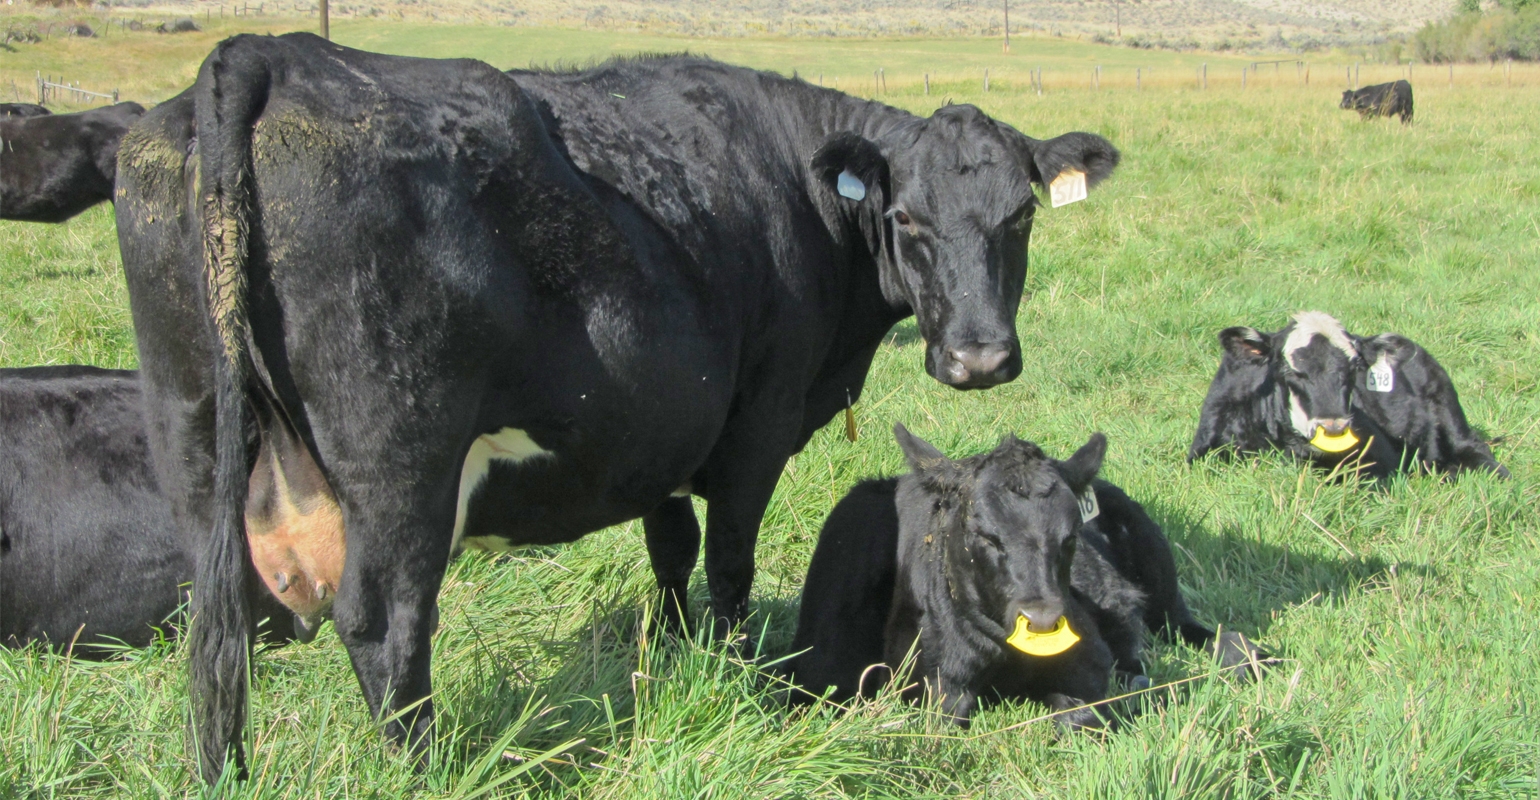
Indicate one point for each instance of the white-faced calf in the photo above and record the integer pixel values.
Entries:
(1325, 395)
(1007, 573)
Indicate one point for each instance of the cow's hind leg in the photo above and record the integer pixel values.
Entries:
(385, 609)
(673, 544)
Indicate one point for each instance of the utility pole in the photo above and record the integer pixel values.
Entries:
(326, 21)
(1007, 25)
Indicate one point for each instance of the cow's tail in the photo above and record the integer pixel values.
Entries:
(231, 91)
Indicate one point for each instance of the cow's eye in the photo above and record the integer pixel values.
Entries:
(901, 218)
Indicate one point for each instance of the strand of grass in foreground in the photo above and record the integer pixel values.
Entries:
(1045, 717)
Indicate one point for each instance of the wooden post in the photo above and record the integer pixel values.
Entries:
(1243, 77)
(927, 84)
(1138, 80)
(882, 72)
(326, 21)
(1205, 76)
(1307, 74)
(1097, 78)
(986, 80)
(1355, 76)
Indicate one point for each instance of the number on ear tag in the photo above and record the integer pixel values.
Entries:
(1089, 508)
(1382, 377)
(1068, 187)
(850, 186)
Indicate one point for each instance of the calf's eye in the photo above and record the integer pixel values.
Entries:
(901, 218)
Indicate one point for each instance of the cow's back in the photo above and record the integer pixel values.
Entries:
(87, 549)
(849, 590)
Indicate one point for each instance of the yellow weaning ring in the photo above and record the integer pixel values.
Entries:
(1333, 444)
(1054, 642)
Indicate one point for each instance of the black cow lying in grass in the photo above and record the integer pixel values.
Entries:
(23, 110)
(88, 552)
(55, 166)
(1007, 572)
(1325, 395)
(1381, 100)
(1403, 389)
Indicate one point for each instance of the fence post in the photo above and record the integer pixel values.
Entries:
(986, 80)
(1138, 80)
(1307, 74)
(883, 72)
(1243, 77)
(927, 84)
(1097, 77)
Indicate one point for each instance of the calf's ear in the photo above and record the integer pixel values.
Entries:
(1087, 154)
(1246, 344)
(850, 166)
(1080, 468)
(920, 454)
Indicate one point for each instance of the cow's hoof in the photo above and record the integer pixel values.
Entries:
(1240, 657)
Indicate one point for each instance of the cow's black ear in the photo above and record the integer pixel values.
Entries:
(1080, 468)
(920, 454)
(1085, 153)
(1246, 344)
(855, 157)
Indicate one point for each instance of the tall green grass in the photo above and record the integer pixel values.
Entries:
(1406, 616)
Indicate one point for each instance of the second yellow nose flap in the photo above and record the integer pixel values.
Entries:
(1333, 444)
(1052, 643)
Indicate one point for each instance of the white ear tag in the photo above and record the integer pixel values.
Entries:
(1089, 508)
(850, 186)
(1382, 377)
(1068, 187)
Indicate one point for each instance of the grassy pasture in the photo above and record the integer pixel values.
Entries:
(1407, 615)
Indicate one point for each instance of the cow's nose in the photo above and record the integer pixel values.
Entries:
(980, 364)
(1334, 427)
(1042, 618)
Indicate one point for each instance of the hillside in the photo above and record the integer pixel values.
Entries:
(1209, 23)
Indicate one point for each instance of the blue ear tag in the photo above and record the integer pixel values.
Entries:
(850, 186)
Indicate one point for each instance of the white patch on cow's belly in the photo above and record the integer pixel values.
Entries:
(510, 446)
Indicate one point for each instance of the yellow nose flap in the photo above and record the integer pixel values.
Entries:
(1052, 643)
(1333, 444)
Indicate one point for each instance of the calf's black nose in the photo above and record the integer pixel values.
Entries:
(978, 365)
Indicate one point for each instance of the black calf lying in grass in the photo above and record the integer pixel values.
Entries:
(1313, 389)
(89, 556)
(1002, 573)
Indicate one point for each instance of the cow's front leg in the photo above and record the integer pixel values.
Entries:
(385, 612)
(741, 477)
(673, 544)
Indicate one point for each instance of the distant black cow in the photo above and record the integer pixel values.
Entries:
(1381, 100)
(23, 110)
(1292, 390)
(1403, 389)
(55, 166)
(89, 554)
(468, 309)
(987, 560)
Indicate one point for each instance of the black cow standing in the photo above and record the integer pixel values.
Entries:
(55, 166)
(464, 313)
(1406, 392)
(1381, 100)
(89, 555)
(952, 557)
(23, 110)
(1292, 390)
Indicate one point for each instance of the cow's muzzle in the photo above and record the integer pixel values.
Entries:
(977, 365)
